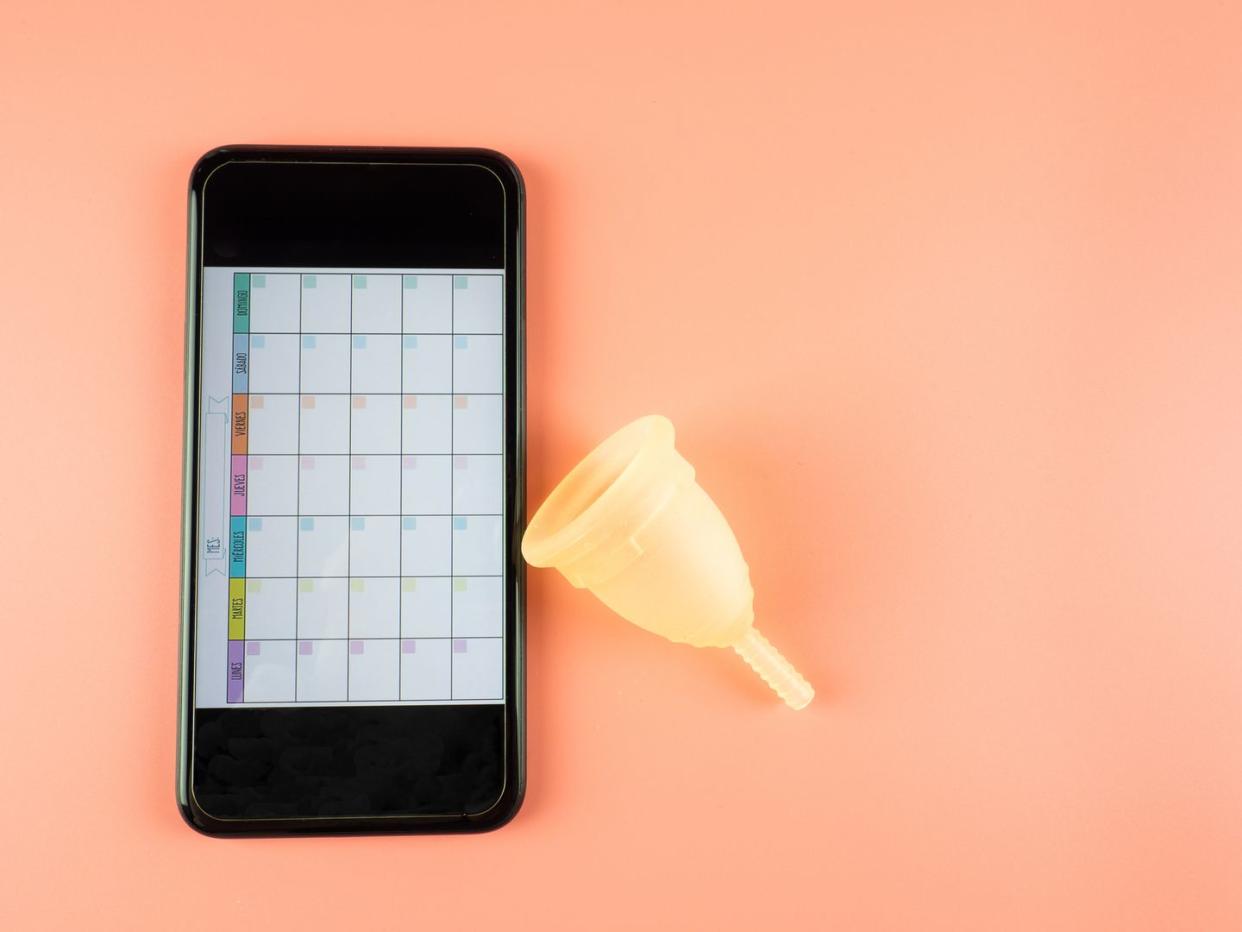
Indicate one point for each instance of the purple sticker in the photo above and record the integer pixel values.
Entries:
(236, 670)
(305, 648)
(459, 645)
(355, 647)
(237, 667)
(408, 646)
(252, 648)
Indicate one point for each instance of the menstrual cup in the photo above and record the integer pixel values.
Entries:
(631, 524)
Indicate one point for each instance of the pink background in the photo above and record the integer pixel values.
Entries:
(946, 302)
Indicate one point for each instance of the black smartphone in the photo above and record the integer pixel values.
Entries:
(352, 590)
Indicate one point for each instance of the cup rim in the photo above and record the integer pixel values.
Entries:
(546, 544)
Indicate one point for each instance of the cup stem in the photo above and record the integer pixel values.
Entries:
(776, 671)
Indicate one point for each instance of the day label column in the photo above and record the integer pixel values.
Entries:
(238, 483)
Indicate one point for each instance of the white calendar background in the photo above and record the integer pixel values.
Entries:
(351, 479)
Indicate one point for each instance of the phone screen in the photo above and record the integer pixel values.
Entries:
(352, 487)
(353, 598)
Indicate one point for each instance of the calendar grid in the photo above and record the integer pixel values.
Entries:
(367, 488)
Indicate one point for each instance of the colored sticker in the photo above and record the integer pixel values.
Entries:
(238, 487)
(241, 363)
(237, 547)
(237, 670)
(237, 609)
(241, 302)
(241, 422)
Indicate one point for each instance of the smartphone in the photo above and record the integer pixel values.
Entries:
(353, 595)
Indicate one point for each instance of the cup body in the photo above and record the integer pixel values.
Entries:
(631, 524)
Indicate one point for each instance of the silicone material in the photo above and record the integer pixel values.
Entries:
(631, 524)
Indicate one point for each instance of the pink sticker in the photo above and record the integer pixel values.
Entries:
(238, 487)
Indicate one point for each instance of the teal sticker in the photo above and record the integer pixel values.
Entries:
(309, 281)
(360, 281)
(461, 281)
(258, 281)
(409, 281)
(241, 302)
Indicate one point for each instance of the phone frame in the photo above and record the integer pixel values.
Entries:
(514, 714)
